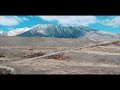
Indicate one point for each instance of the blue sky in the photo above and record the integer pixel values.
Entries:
(105, 23)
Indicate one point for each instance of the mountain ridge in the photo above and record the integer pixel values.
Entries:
(61, 31)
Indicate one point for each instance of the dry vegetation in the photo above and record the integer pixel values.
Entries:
(37, 54)
(2, 55)
(6, 70)
(59, 56)
(117, 43)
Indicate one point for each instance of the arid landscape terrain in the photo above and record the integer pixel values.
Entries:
(43, 55)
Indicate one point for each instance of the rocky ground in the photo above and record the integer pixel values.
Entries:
(58, 56)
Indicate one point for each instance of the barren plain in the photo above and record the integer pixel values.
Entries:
(39, 55)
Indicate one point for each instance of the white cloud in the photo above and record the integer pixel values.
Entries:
(115, 22)
(31, 16)
(81, 20)
(26, 19)
(8, 21)
(11, 20)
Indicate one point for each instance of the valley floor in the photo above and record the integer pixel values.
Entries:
(59, 56)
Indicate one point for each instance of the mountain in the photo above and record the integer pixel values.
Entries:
(68, 31)
(59, 31)
(2, 33)
(100, 35)
(17, 31)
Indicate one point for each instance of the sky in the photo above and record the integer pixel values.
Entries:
(104, 23)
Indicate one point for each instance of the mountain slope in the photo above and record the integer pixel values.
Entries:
(100, 35)
(17, 31)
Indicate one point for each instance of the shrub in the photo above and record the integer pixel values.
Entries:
(34, 55)
(2, 55)
(59, 56)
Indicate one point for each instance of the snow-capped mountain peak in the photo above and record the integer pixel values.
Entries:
(17, 31)
(57, 30)
(2, 33)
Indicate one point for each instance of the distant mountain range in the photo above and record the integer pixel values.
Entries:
(61, 31)
(2, 33)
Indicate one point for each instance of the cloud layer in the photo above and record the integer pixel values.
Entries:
(11, 20)
(81, 20)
